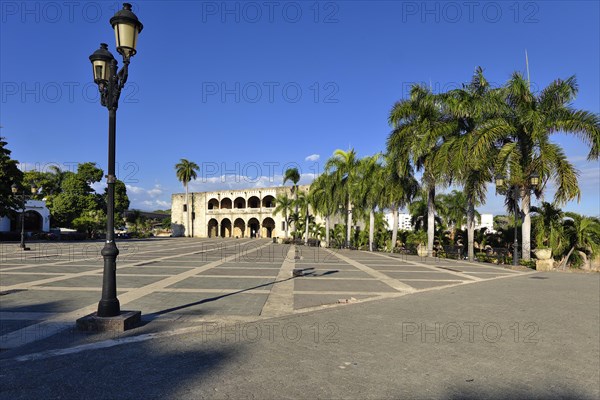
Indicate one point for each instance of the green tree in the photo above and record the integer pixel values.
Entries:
(9, 175)
(525, 146)
(399, 190)
(467, 158)
(323, 200)
(90, 222)
(583, 234)
(121, 199)
(419, 127)
(76, 196)
(547, 224)
(284, 205)
(343, 167)
(186, 171)
(370, 188)
(292, 175)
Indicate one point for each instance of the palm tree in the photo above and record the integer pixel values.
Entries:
(186, 171)
(292, 174)
(420, 125)
(283, 205)
(525, 146)
(303, 203)
(583, 234)
(343, 166)
(468, 157)
(399, 190)
(548, 227)
(370, 187)
(323, 200)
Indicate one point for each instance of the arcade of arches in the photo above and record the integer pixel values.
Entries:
(252, 228)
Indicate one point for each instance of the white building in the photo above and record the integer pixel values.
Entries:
(487, 221)
(234, 213)
(37, 218)
(403, 221)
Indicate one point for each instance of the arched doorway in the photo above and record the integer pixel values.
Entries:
(225, 227)
(239, 202)
(253, 227)
(213, 204)
(34, 222)
(239, 228)
(268, 201)
(268, 228)
(253, 202)
(226, 204)
(212, 228)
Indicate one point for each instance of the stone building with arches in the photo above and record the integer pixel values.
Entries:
(244, 213)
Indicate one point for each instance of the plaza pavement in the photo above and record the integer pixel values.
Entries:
(224, 318)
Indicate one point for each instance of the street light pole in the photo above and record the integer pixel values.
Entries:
(110, 83)
(23, 196)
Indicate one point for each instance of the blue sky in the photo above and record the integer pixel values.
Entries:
(246, 89)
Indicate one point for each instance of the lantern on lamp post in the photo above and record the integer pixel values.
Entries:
(110, 82)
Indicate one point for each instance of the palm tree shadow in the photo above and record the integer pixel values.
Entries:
(310, 273)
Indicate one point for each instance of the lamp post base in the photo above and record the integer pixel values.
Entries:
(121, 323)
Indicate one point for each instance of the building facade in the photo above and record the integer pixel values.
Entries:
(230, 213)
(403, 221)
(37, 218)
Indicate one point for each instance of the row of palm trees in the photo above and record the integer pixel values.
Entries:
(462, 138)
(467, 136)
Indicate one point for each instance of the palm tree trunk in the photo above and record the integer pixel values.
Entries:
(306, 228)
(471, 229)
(371, 228)
(286, 223)
(349, 224)
(430, 220)
(563, 262)
(297, 218)
(327, 230)
(187, 212)
(394, 228)
(526, 228)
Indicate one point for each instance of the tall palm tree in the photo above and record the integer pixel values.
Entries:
(303, 203)
(525, 148)
(370, 188)
(399, 190)
(419, 127)
(284, 205)
(343, 166)
(467, 158)
(186, 171)
(323, 199)
(292, 175)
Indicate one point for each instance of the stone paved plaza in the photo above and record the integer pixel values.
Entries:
(200, 279)
(225, 318)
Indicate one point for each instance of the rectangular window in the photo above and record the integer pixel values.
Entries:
(185, 208)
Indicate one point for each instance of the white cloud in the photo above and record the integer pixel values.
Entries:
(312, 157)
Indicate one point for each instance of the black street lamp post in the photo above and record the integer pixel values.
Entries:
(23, 197)
(513, 193)
(110, 81)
